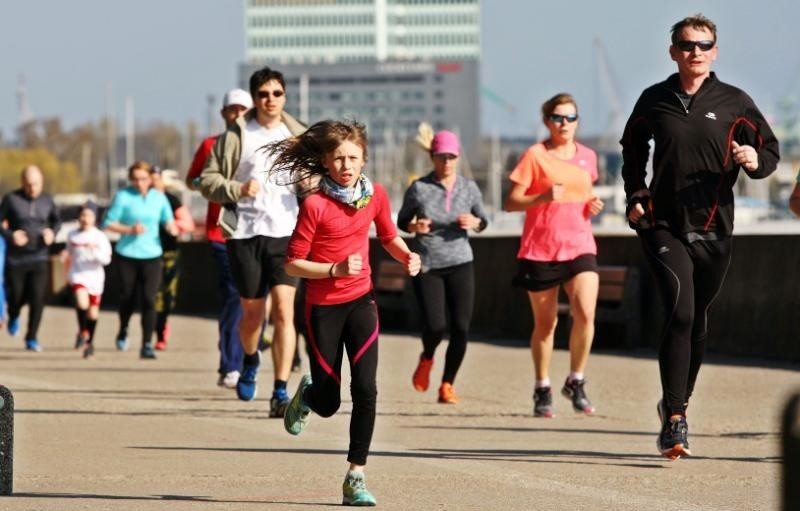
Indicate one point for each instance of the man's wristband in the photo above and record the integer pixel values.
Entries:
(330, 270)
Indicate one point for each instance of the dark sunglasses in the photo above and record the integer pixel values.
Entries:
(690, 45)
(263, 94)
(558, 119)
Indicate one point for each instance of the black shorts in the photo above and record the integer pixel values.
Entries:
(541, 275)
(257, 265)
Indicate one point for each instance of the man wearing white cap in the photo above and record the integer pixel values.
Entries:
(235, 103)
(258, 217)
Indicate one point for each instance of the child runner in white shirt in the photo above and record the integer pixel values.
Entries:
(88, 251)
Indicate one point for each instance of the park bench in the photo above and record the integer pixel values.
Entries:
(618, 302)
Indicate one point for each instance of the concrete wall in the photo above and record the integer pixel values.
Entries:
(755, 314)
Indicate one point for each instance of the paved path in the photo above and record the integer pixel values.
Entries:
(120, 433)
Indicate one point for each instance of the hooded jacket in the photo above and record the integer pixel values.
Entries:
(217, 181)
(691, 189)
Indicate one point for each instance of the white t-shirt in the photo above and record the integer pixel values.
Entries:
(273, 211)
(89, 251)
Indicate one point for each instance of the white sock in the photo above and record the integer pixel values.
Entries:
(574, 376)
(542, 383)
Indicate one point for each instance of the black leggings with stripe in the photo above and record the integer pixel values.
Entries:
(689, 277)
(332, 329)
(442, 292)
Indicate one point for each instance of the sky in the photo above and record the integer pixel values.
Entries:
(82, 58)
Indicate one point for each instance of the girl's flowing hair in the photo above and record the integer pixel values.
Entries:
(298, 160)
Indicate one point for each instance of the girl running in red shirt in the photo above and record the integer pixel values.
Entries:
(330, 248)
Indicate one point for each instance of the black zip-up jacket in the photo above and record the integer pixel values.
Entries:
(20, 212)
(691, 190)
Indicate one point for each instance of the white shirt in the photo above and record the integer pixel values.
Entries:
(273, 211)
(89, 251)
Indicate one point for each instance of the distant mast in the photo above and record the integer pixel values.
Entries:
(24, 112)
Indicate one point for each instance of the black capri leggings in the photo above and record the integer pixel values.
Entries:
(332, 328)
(138, 278)
(689, 277)
(442, 292)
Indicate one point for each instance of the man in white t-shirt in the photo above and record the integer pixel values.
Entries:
(258, 218)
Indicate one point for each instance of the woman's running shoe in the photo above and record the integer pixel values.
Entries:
(543, 403)
(297, 413)
(573, 390)
(422, 375)
(355, 492)
(33, 345)
(447, 394)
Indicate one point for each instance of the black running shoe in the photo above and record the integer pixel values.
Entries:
(673, 442)
(573, 390)
(147, 352)
(80, 340)
(88, 350)
(543, 402)
(278, 403)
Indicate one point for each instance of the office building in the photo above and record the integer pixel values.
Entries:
(388, 63)
(333, 31)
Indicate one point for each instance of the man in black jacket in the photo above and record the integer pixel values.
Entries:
(30, 221)
(704, 131)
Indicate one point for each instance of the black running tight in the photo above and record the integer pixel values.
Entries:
(332, 329)
(138, 279)
(27, 283)
(689, 277)
(442, 292)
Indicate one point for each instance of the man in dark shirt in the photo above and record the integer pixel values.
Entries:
(30, 221)
(704, 132)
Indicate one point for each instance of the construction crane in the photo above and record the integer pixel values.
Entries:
(608, 84)
(607, 144)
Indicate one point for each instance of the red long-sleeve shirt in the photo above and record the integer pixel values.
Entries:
(328, 231)
(213, 232)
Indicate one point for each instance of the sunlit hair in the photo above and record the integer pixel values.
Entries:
(562, 98)
(298, 160)
(139, 165)
(698, 22)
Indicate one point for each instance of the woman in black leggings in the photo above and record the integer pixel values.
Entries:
(441, 208)
(136, 213)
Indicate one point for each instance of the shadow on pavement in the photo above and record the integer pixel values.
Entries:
(181, 498)
(527, 456)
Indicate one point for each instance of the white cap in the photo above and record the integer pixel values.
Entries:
(237, 97)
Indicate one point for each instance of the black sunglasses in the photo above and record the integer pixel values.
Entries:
(558, 119)
(265, 93)
(690, 45)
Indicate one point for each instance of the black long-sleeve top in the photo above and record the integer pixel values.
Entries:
(21, 212)
(691, 188)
